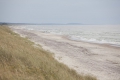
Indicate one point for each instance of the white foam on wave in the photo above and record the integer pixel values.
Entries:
(93, 40)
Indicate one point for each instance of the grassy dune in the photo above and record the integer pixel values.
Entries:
(21, 60)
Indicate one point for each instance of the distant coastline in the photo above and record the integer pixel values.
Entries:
(9, 23)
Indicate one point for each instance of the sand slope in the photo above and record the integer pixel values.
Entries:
(102, 61)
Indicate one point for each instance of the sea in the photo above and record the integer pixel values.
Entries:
(102, 34)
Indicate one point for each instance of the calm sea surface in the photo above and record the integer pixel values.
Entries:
(91, 33)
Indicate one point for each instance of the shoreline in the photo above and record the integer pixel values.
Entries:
(71, 37)
(98, 60)
(101, 44)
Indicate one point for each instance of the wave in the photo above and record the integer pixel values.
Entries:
(97, 35)
(94, 40)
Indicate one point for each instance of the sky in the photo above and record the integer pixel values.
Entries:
(60, 11)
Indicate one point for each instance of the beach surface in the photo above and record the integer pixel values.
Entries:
(99, 60)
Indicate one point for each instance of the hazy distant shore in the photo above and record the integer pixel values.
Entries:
(100, 60)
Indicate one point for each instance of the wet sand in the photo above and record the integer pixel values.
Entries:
(99, 60)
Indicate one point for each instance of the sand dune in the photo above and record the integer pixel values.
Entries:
(100, 60)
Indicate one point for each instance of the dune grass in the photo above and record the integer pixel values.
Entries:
(20, 60)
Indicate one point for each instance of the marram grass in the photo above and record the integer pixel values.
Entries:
(20, 60)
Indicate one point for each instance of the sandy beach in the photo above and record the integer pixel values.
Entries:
(99, 60)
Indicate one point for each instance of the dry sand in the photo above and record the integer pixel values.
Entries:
(99, 60)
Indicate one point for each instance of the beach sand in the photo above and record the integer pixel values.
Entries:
(99, 60)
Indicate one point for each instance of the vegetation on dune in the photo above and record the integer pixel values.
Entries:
(20, 60)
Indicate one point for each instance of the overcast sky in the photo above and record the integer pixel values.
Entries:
(60, 11)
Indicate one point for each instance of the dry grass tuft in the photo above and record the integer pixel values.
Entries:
(20, 60)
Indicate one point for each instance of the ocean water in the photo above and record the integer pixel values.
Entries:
(103, 34)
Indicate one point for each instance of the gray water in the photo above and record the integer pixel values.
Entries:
(109, 34)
